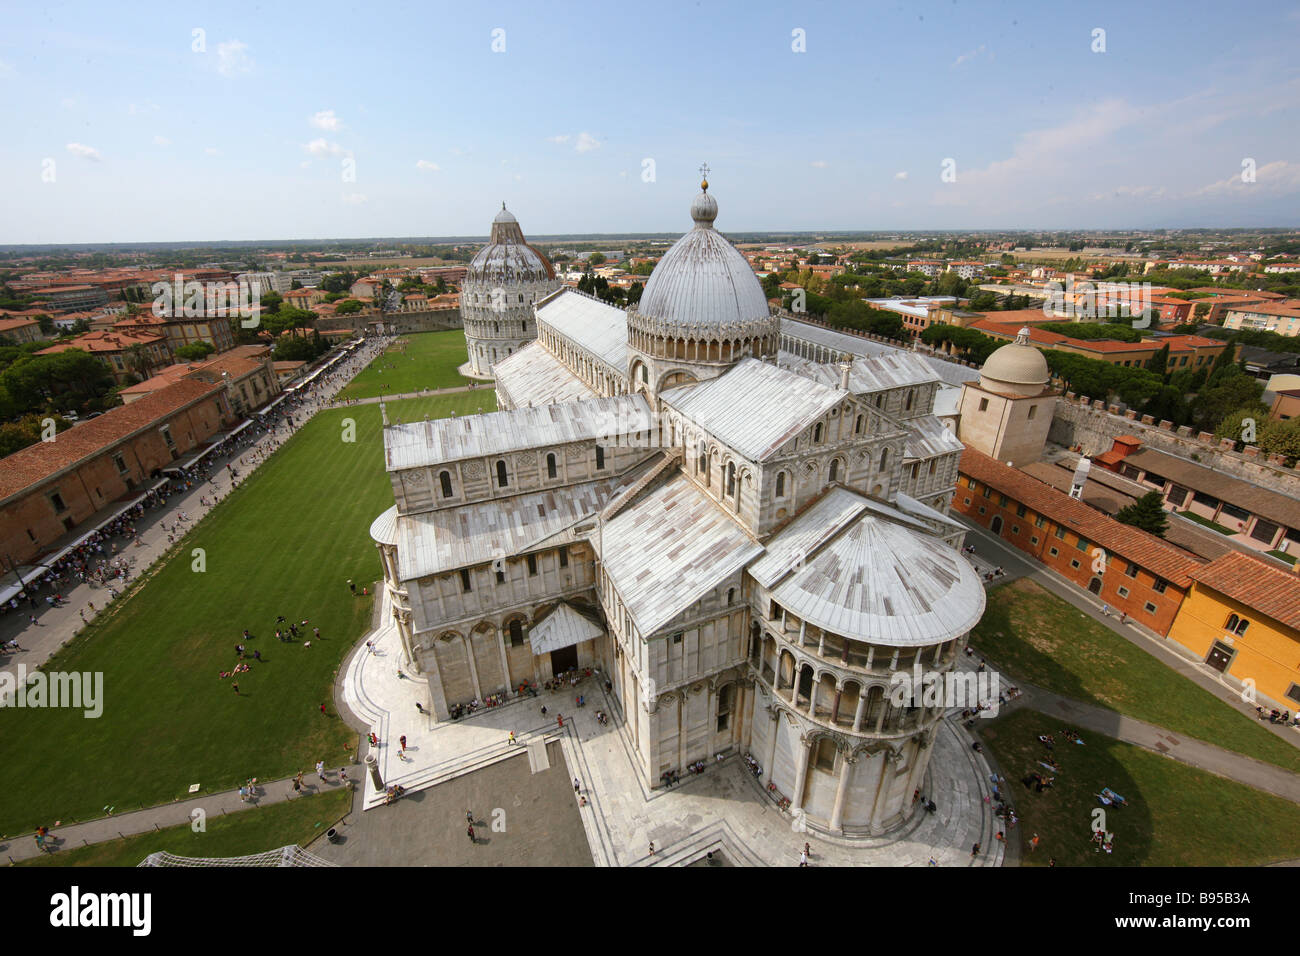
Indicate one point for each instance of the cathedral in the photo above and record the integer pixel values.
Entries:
(740, 519)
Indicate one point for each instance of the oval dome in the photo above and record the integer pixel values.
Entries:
(1017, 363)
(508, 257)
(703, 279)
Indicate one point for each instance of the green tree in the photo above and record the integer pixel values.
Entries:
(349, 307)
(1281, 438)
(596, 259)
(1160, 361)
(1147, 513)
(195, 351)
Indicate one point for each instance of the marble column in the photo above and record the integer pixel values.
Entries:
(841, 789)
(505, 663)
(770, 762)
(473, 667)
(801, 773)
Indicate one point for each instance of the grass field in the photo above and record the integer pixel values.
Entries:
(1037, 637)
(429, 361)
(1177, 815)
(285, 542)
(238, 834)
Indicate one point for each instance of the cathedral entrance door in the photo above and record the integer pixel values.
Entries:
(565, 659)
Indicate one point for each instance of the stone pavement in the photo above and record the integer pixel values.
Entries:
(173, 814)
(376, 399)
(723, 808)
(57, 625)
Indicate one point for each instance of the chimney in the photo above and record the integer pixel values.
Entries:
(1080, 478)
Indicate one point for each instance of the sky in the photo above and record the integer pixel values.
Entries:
(230, 121)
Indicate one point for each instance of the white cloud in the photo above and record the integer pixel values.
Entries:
(966, 57)
(427, 166)
(901, 174)
(354, 199)
(161, 141)
(233, 58)
(304, 164)
(326, 120)
(586, 143)
(561, 138)
(319, 147)
(84, 151)
(212, 151)
(1275, 178)
(819, 163)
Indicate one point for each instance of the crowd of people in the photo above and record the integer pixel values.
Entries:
(103, 558)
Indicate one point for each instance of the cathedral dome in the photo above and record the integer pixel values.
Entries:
(508, 259)
(703, 280)
(1017, 363)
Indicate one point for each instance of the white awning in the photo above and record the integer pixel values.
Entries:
(562, 628)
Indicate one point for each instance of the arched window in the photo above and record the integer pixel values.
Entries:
(445, 480)
(1232, 622)
(731, 595)
(880, 399)
(501, 473)
(731, 479)
(702, 463)
(884, 458)
(516, 633)
(835, 469)
(600, 458)
(857, 426)
(1236, 625)
(908, 405)
(780, 484)
(551, 470)
(645, 376)
(817, 432)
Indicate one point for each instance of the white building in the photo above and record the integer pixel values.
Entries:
(751, 544)
(502, 284)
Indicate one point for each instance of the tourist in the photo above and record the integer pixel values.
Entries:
(511, 741)
(803, 858)
(652, 848)
(1033, 843)
(469, 817)
(322, 711)
(236, 687)
(419, 707)
(577, 786)
(352, 587)
(320, 770)
(470, 831)
(560, 719)
(402, 740)
(974, 851)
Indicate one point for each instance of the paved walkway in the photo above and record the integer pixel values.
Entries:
(723, 808)
(174, 814)
(992, 551)
(376, 399)
(57, 625)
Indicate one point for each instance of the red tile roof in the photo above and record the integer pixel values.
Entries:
(35, 463)
(1255, 583)
(1144, 549)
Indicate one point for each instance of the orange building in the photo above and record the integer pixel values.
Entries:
(1135, 572)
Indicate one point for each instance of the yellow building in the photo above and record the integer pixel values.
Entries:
(1242, 617)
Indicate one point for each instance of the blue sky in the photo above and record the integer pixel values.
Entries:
(146, 137)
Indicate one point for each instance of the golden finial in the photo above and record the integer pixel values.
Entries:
(704, 173)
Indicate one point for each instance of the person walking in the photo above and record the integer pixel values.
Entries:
(577, 785)
(469, 817)
(803, 857)
(1033, 843)
(322, 711)
(320, 770)
(419, 706)
(470, 831)
(236, 687)
(652, 848)
(512, 740)
(974, 851)
(560, 719)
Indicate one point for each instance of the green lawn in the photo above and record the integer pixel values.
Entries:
(237, 834)
(415, 363)
(1035, 636)
(1282, 555)
(1206, 522)
(285, 542)
(1177, 815)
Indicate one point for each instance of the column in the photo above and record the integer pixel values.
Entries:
(812, 697)
(681, 729)
(771, 744)
(862, 706)
(841, 789)
(473, 667)
(801, 773)
(505, 663)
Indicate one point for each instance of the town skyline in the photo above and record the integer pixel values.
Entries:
(925, 118)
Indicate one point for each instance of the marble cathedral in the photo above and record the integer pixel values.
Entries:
(739, 518)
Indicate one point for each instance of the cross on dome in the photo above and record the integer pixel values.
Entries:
(704, 175)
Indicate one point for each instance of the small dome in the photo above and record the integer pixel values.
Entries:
(508, 258)
(1017, 363)
(703, 279)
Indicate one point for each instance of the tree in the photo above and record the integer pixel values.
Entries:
(1160, 361)
(596, 259)
(350, 307)
(1281, 438)
(139, 361)
(195, 351)
(1147, 513)
(1225, 394)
